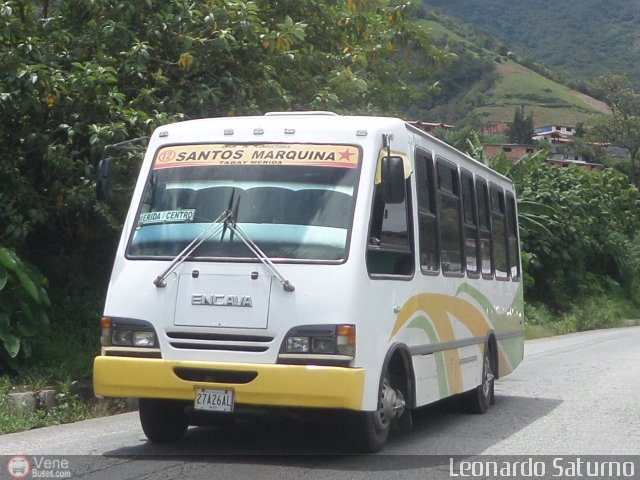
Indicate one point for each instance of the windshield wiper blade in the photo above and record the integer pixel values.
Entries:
(227, 211)
(229, 221)
(225, 221)
(217, 224)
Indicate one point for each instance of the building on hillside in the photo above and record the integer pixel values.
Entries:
(579, 163)
(564, 158)
(567, 153)
(495, 128)
(512, 151)
(554, 133)
(430, 127)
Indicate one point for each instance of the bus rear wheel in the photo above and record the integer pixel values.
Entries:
(479, 399)
(163, 420)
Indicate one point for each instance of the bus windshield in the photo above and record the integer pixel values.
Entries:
(295, 201)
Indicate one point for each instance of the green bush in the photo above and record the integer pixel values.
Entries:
(584, 313)
(23, 304)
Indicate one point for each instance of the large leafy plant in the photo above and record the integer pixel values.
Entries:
(23, 304)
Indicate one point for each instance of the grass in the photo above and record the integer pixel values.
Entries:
(522, 84)
(586, 314)
(531, 332)
(550, 102)
(440, 32)
(69, 407)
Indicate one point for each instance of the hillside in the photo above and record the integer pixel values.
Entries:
(504, 84)
(572, 36)
(549, 101)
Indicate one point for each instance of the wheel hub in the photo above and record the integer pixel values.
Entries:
(488, 376)
(390, 406)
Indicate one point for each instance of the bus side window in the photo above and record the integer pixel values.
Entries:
(512, 234)
(390, 249)
(427, 213)
(470, 220)
(499, 232)
(449, 218)
(484, 223)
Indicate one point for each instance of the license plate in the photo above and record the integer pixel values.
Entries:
(214, 400)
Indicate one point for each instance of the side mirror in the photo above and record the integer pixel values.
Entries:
(103, 182)
(393, 181)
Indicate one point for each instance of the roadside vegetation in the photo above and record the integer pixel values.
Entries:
(81, 74)
(580, 237)
(69, 406)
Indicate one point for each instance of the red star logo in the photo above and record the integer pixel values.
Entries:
(346, 155)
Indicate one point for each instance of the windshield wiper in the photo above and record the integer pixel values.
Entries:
(230, 223)
(225, 221)
(160, 280)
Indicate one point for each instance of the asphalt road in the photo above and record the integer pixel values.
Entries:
(576, 394)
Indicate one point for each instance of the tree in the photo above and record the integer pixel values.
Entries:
(591, 226)
(622, 127)
(521, 129)
(79, 74)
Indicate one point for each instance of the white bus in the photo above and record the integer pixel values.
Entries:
(311, 261)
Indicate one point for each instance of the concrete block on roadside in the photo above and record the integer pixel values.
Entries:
(25, 401)
(47, 399)
(83, 388)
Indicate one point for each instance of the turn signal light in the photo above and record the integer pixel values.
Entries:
(105, 338)
(346, 339)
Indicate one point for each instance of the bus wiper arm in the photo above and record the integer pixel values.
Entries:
(230, 223)
(217, 224)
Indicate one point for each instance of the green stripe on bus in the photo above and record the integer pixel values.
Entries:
(425, 325)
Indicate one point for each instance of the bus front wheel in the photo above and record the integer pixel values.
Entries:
(163, 420)
(371, 429)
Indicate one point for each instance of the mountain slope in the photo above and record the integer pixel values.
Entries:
(503, 86)
(584, 38)
(549, 101)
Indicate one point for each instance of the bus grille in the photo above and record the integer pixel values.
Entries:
(215, 376)
(219, 341)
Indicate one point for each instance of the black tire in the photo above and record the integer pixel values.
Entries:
(479, 399)
(370, 430)
(163, 420)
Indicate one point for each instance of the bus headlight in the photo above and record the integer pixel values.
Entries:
(123, 338)
(323, 345)
(337, 340)
(144, 339)
(127, 332)
(297, 345)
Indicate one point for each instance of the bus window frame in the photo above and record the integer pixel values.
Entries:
(487, 200)
(476, 226)
(512, 223)
(439, 160)
(505, 241)
(430, 164)
(408, 201)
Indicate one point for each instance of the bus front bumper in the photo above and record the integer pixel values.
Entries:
(274, 385)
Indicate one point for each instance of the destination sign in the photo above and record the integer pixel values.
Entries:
(339, 156)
